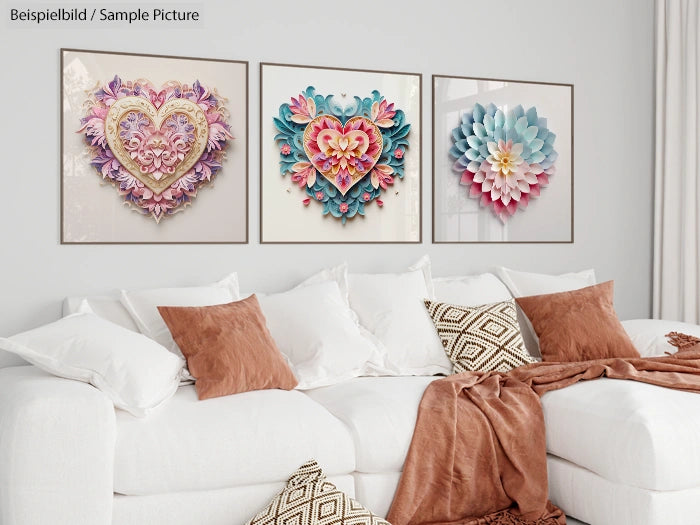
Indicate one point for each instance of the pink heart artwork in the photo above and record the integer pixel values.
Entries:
(343, 154)
(157, 147)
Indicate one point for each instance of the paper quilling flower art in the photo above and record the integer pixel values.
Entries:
(343, 156)
(504, 158)
(156, 146)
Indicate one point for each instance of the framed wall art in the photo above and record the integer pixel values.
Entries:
(340, 153)
(502, 161)
(154, 149)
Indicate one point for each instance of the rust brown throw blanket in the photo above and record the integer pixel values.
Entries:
(478, 452)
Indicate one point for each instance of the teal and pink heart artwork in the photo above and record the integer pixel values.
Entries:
(341, 154)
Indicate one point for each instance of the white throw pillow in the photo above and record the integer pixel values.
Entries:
(470, 290)
(8, 359)
(136, 373)
(318, 333)
(106, 306)
(523, 284)
(390, 306)
(143, 305)
(649, 335)
(424, 265)
(338, 273)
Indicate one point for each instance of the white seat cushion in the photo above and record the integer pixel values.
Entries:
(242, 439)
(627, 432)
(381, 414)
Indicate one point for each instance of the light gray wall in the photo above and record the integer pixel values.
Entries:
(605, 48)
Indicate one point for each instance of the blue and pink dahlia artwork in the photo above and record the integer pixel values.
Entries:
(504, 157)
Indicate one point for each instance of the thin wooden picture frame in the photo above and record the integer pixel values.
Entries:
(442, 163)
(306, 217)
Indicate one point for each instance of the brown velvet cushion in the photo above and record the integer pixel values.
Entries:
(579, 325)
(228, 348)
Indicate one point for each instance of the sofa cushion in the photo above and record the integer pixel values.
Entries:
(381, 414)
(627, 432)
(242, 439)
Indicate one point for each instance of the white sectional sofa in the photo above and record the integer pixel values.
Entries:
(620, 452)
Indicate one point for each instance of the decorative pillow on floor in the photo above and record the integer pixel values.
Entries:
(580, 325)
(135, 372)
(480, 338)
(310, 499)
(523, 284)
(228, 347)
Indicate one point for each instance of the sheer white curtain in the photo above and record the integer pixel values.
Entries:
(677, 177)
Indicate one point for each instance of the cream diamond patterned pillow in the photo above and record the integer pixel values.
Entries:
(310, 499)
(480, 338)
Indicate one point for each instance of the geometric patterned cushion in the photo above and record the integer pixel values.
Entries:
(309, 499)
(480, 338)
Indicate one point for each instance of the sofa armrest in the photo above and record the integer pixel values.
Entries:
(57, 441)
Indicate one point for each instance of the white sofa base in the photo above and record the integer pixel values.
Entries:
(376, 491)
(582, 494)
(234, 506)
(595, 500)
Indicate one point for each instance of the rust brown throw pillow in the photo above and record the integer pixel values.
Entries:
(580, 325)
(228, 348)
